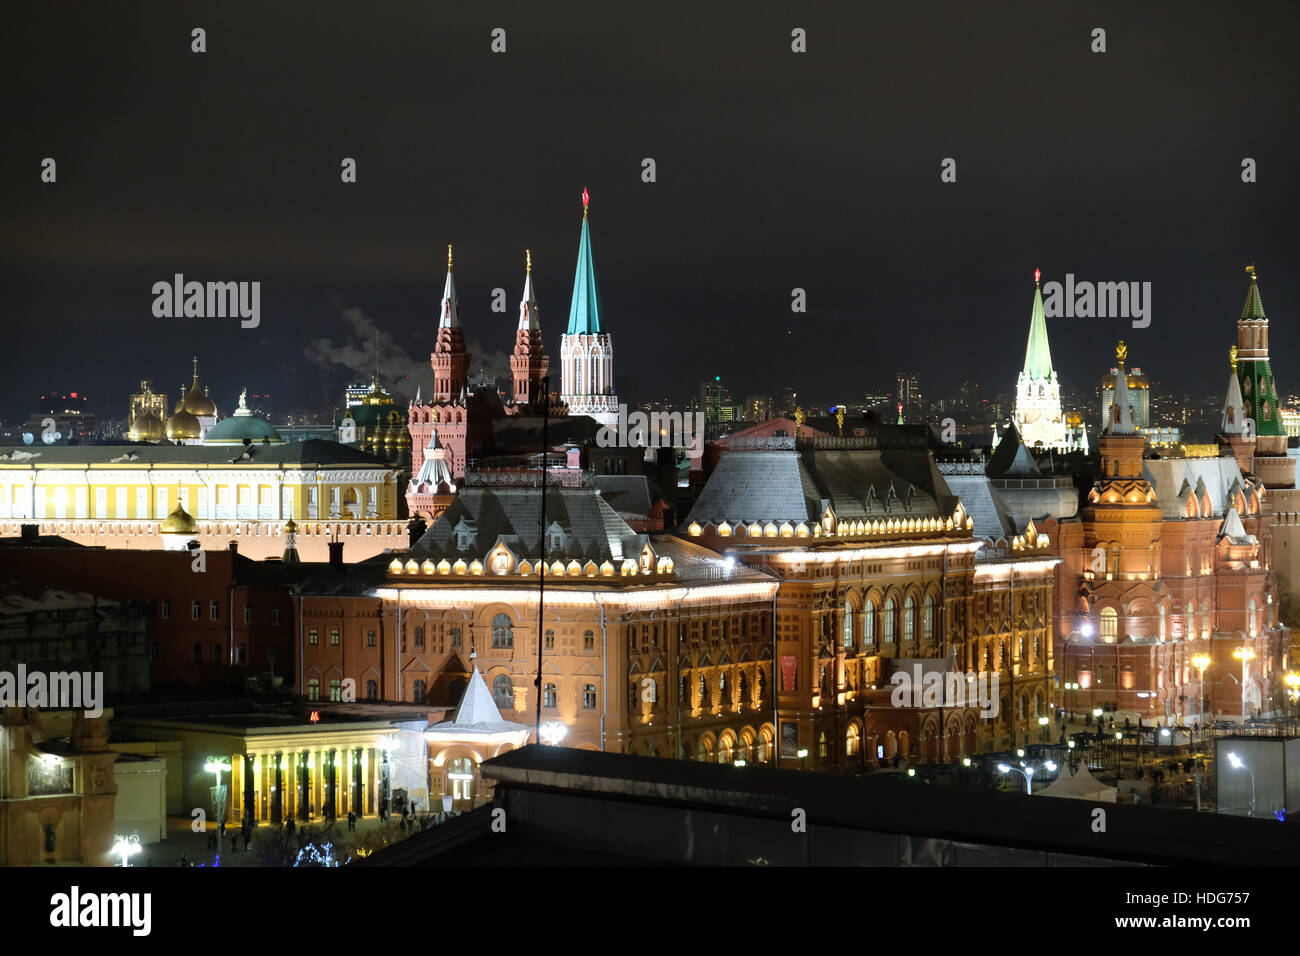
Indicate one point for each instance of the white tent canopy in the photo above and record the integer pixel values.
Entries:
(1081, 786)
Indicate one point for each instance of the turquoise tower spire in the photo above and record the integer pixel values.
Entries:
(584, 308)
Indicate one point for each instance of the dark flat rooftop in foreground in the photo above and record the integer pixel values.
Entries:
(565, 805)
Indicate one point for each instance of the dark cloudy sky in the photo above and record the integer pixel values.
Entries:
(775, 170)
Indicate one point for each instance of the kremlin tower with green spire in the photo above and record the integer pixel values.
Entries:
(1038, 416)
(586, 349)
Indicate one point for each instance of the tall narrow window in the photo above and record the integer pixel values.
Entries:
(927, 612)
(1109, 625)
(502, 632)
(848, 624)
(889, 620)
(909, 618)
(869, 623)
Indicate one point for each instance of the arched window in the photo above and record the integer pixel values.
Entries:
(503, 692)
(889, 620)
(418, 692)
(1109, 625)
(869, 623)
(1205, 619)
(851, 742)
(761, 754)
(821, 746)
(549, 644)
(744, 690)
(848, 624)
(455, 637)
(1252, 618)
(503, 634)
(1164, 625)
(372, 690)
(909, 618)
(706, 699)
(762, 685)
(419, 637)
(928, 619)
(313, 689)
(336, 690)
(588, 641)
(460, 774)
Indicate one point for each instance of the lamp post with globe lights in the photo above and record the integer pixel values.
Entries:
(1026, 771)
(1292, 681)
(217, 766)
(553, 731)
(125, 846)
(1201, 662)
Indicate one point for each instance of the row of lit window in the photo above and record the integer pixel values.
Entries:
(501, 565)
(785, 529)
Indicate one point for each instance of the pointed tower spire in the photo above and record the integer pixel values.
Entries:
(528, 362)
(1255, 372)
(1038, 355)
(528, 318)
(449, 317)
(1120, 420)
(450, 358)
(584, 309)
(1234, 412)
(586, 349)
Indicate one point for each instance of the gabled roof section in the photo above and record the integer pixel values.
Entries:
(1012, 458)
(1234, 531)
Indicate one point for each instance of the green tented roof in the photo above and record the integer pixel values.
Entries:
(584, 308)
(1254, 308)
(1038, 356)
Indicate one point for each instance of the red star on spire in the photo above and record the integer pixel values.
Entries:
(1037, 275)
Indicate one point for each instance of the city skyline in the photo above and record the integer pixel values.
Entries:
(698, 267)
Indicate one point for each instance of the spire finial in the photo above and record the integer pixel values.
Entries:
(586, 200)
(1250, 271)
(1037, 275)
(528, 262)
(376, 358)
(1121, 353)
(1232, 357)
(196, 368)
(449, 257)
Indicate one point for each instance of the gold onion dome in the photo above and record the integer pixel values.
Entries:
(147, 427)
(290, 526)
(195, 402)
(179, 522)
(183, 424)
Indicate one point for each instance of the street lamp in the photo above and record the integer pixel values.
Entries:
(125, 846)
(1237, 764)
(1245, 655)
(216, 766)
(1042, 722)
(802, 755)
(1025, 771)
(553, 731)
(1292, 681)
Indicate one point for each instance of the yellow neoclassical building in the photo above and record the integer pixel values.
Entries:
(120, 495)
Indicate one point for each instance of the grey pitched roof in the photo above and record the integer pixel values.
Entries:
(983, 505)
(592, 529)
(1168, 475)
(857, 481)
(1012, 457)
(629, 494)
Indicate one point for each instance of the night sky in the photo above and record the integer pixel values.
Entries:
(775, 170)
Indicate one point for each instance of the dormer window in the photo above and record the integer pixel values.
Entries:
(556, 539)
(465, 535)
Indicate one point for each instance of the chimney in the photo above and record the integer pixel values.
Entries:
(336, 554)
(30, 533)
(234, 548)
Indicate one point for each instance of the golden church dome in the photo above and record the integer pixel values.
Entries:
(179, 522)
(195, 402)
(147, 427)
(183, 425)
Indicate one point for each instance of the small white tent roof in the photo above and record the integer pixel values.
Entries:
(1081, 786)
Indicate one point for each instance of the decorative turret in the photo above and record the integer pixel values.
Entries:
(528, 363)
(290, 555)
(1233, 429)
(1259, 393)
(586, 350)
(1121, 444)
(449, 358)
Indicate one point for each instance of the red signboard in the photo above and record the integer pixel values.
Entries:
(788, 668)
